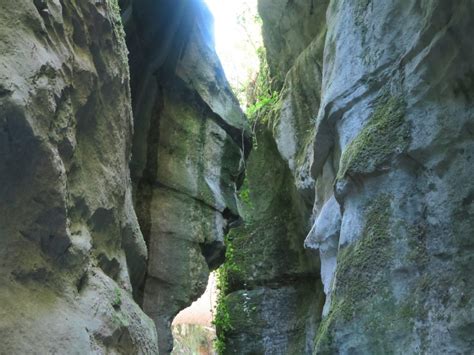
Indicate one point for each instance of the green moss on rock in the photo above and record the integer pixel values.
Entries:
(116, 20)
(363, 302)
(358, 262)
(385, 135)
(266, 250)
(361, 272)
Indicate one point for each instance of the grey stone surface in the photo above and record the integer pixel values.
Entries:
(70, 244)
(72, 249)
(388, 104)
(373, 129)
(273, 320)
(188, 153)
(275, 294)
(324, 236)
(401, 109)
(289, 27)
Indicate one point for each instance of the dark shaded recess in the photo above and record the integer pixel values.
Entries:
(110, 266)
(41, 5)
(82, 282)
(214, 253)
(25, 168)
(4, 91)
(233, 220)
(156, 33)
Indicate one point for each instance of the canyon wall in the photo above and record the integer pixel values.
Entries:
(109, 217)
(188, 153)
(375, 123)
(118, 175)
(274, 290)
(397, 98)
(71, 248)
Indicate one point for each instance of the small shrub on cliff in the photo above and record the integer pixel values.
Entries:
(222, 320)
(261, 97)
(117, 300)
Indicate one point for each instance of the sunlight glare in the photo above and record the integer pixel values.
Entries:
(237, 35)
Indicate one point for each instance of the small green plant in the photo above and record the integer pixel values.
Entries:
(261, 97)
(245, 200)
(120, 320)
(264, 104)
(117, 300)
(222, 318)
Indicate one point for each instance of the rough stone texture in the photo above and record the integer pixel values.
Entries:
(374, 128)
(189, 145)
(276, 296)
(274, 292)
(273, 320)
(324, 236)
(289, 27)
(70, 246)
(401, 111)
(294, 33)
(389, 106)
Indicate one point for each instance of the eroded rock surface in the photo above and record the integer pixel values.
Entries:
(366, 160)
(70, 244)
(375, 123)
(76, 271)
(397, 95)
(189, 146)
(274, 291)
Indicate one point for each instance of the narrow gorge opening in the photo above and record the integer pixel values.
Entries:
(337, 193)
(238, 42)
(188, 155)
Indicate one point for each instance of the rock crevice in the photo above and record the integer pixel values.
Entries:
(105, 212)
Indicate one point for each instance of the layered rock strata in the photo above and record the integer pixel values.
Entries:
(188, 151)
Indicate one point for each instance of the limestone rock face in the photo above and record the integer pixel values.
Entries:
(188, 151)
(76, 270)
(289, 27)
(274, 291)
(384, 91)
(70, 246)
(398, 98)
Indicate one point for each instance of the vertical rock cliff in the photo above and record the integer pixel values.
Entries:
(375, 123)
(275, 293)
(119, 172)
(79, 269)
(397, 101)
(70, 243)
(188, 150)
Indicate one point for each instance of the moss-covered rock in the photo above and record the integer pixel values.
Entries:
(71, 247)
(384, 136)
(362, 283)
(267, 272)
